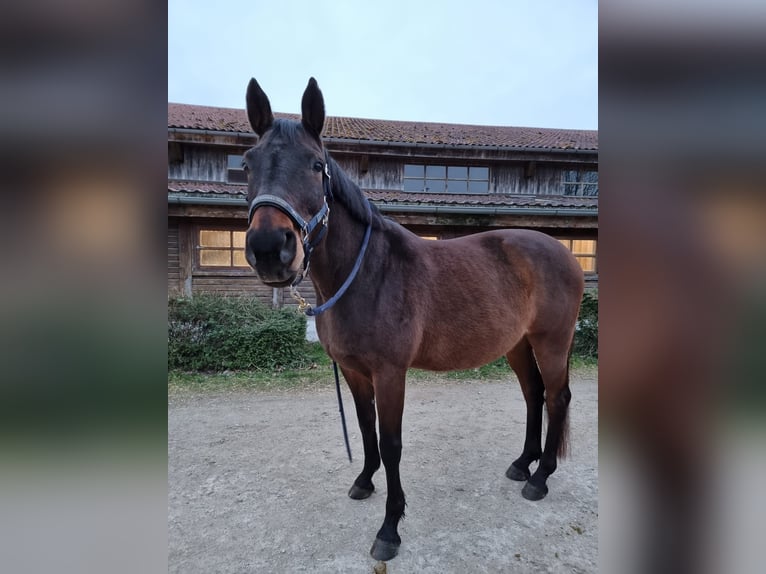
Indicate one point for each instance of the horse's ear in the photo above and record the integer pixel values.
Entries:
(312, 108)
(258, 108)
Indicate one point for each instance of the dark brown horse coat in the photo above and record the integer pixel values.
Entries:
(438, 305)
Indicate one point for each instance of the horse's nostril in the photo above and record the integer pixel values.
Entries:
(287, 253)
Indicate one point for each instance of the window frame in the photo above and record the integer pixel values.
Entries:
(425, 177)
(594, 256)
(239, 175)
(197, 247)
(579, 183)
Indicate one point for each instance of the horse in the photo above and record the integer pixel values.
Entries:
(390, 300)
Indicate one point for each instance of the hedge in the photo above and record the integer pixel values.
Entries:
(217, 333)
(586, 333)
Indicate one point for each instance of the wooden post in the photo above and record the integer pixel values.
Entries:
(185, 257)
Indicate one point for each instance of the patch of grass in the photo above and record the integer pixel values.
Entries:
(179, 381)
(315, 370)
(579, 363)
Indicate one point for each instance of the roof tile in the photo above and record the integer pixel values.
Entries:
(383, 197)
(362, 129)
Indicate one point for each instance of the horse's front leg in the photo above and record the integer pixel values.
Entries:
(364, 399)
(389, 393)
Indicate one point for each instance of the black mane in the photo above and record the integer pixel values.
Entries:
(351, 196)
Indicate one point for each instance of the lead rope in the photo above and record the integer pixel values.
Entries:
(342, 414)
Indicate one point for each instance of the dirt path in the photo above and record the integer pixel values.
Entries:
(257, 483)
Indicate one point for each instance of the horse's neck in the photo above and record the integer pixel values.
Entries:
(334, 257)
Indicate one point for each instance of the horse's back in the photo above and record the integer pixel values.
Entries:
(510, 261)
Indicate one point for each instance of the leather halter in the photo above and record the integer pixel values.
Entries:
(306, 227)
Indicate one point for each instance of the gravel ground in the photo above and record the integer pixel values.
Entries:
(257, 482)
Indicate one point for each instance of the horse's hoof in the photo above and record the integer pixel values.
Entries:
(359, 493)
(532, 492)
(383, 550)
(516, 473)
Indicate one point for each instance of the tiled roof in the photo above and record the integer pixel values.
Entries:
(207, 188)
(235, 120)
(395, 197)
(500, 200)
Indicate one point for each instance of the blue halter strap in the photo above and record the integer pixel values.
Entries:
(311, 311)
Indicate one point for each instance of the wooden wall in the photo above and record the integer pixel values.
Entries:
(521, 179)
(248, 286)
(174, 271)
(373, 173)
(199, 163)
(208, 163)
(508, 178)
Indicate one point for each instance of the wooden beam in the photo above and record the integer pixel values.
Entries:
(185, 258)
(213, 211)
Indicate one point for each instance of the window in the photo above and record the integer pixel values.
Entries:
(580, 183)
(446, 179)
(220, 248)
(584, 251)
(234, 171)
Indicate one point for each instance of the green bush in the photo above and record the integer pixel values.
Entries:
(586, 333)
(216, 333)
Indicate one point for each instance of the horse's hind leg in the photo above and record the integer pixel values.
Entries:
(364, 399)
(553, 362)
(523, 363)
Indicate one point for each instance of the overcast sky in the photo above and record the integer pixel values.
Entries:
(502, 62)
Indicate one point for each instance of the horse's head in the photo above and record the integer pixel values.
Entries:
(286, 173)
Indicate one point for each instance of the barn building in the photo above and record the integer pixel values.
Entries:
(438, 180)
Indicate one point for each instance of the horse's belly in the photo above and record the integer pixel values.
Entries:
(454, 363)
(458, 351)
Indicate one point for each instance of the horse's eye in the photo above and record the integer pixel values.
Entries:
(318, 166)
(244, 166)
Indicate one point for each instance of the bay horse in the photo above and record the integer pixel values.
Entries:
(390, 300)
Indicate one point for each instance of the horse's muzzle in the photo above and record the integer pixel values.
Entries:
(272, 253)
